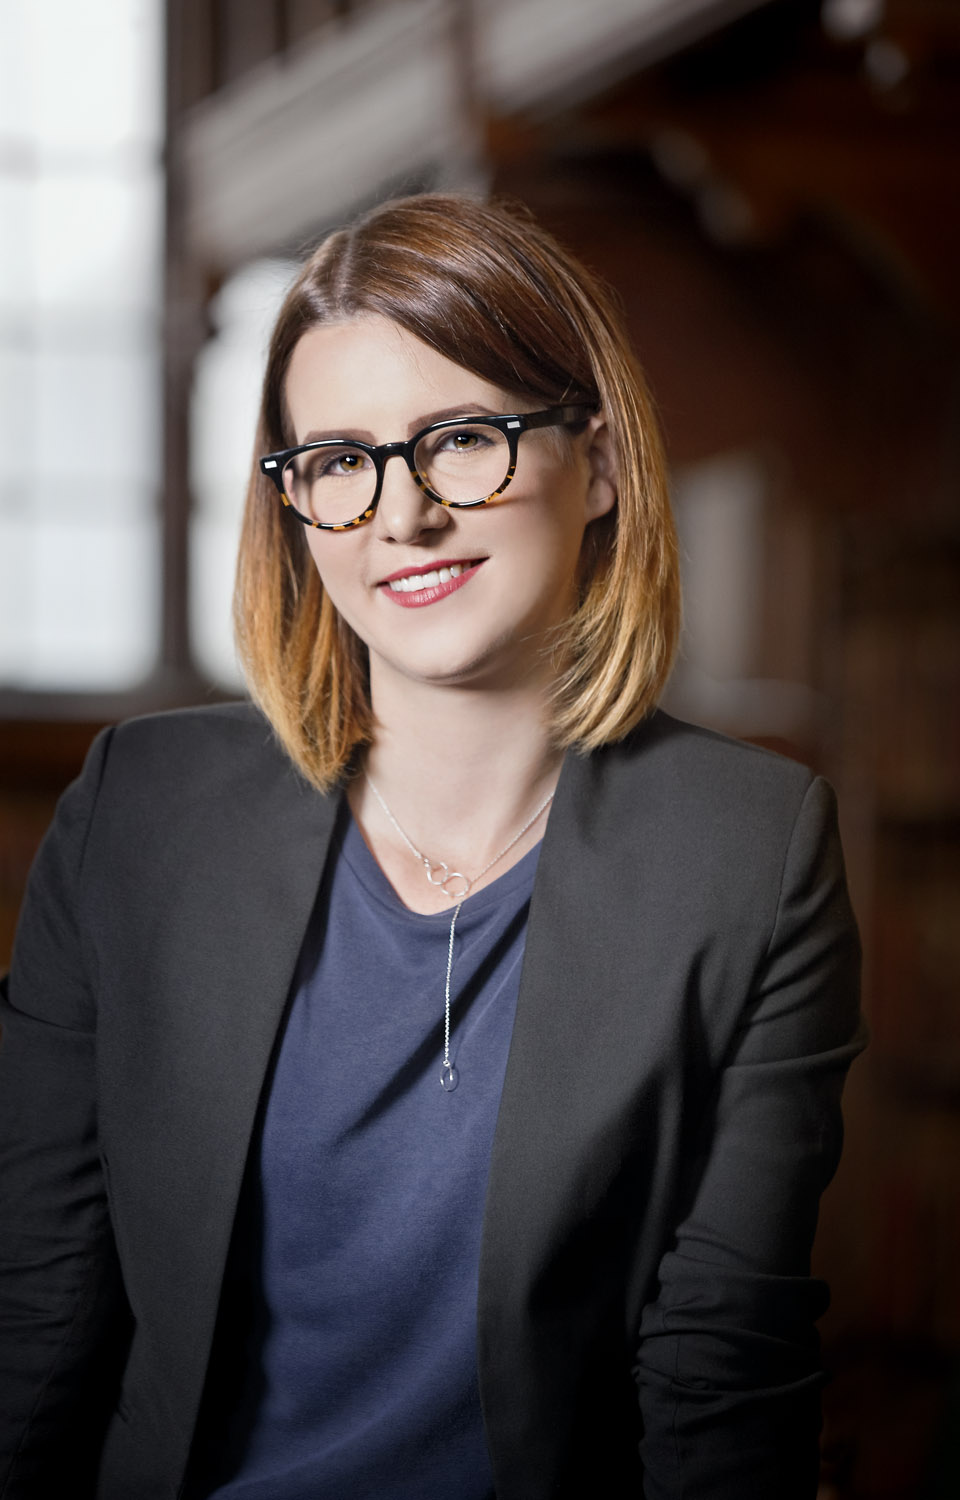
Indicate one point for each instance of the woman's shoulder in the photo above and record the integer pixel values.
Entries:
(225, 725)
(188, 747)
(192, 790)
(701, 762)
(182, 772)
(713, 836)
(680, 786)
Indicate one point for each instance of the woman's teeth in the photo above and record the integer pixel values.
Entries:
(432, 580)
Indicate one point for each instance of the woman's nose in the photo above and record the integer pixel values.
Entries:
(404, 511)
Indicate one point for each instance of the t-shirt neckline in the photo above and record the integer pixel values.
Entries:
(355, 850)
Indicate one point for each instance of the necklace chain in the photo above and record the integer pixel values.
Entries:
(432, 868)
(449, 1077)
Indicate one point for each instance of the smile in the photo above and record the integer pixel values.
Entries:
(415, 589)
(415, 581)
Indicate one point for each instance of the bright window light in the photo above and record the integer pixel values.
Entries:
(80, 288)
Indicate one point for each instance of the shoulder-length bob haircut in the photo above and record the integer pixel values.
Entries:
(490, 290)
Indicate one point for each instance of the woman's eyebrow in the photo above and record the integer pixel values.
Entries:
(315, 435)
(364, 435)
(465, 409)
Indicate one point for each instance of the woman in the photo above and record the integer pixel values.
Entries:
(249, 956)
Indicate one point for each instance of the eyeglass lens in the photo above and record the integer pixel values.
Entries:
(336, 483)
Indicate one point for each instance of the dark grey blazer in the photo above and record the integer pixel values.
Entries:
(670, 1113)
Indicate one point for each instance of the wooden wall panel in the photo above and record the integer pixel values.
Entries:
(38, 759)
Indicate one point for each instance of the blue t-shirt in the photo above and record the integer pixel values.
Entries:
(348, 1326)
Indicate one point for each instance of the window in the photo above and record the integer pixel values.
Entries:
(80, 289)
(223, 418)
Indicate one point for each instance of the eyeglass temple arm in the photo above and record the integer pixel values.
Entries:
(557, 416)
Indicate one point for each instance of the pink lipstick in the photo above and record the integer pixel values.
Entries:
(412, 588)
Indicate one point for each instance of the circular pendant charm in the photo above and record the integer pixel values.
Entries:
(449, 1078)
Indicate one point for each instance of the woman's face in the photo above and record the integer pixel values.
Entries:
(370, 379)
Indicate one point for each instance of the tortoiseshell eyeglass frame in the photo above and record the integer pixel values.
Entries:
(511, 425)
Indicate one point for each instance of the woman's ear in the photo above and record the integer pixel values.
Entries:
(602, 459)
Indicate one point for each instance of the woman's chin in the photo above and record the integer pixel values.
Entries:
(500, 666)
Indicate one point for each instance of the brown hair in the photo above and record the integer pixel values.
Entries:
(490, 290)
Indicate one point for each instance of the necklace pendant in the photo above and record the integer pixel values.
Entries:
(456, 887)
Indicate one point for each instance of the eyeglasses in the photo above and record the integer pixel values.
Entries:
(335, 483)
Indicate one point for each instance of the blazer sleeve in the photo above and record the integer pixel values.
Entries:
(728, 1367)
(62, 1311)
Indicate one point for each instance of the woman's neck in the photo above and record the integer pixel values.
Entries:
(461, 771)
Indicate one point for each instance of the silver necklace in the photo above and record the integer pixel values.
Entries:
(439, 874)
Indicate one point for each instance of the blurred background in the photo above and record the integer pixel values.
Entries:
(774, 191)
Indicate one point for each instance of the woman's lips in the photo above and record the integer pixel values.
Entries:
(413, 590)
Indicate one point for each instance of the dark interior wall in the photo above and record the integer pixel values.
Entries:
(215, 42)
(802, 349)
(801, 342)
(818, 321)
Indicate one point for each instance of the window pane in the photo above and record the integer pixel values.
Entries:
(16, 95)
(16, 244)
(97, 238)
(94, 71)
(96, 419)
(17, 374)
(78, 601)
(80, 243)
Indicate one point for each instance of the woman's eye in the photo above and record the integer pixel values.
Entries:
(467, 441)
(340, 465)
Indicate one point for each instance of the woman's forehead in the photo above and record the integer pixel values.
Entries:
(369, 369)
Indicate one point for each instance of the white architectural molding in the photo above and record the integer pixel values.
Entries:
(304, 138)
(538, 55)
(299, 142)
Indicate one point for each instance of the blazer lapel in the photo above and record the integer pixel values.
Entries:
(587, 1044)
(200, 991)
